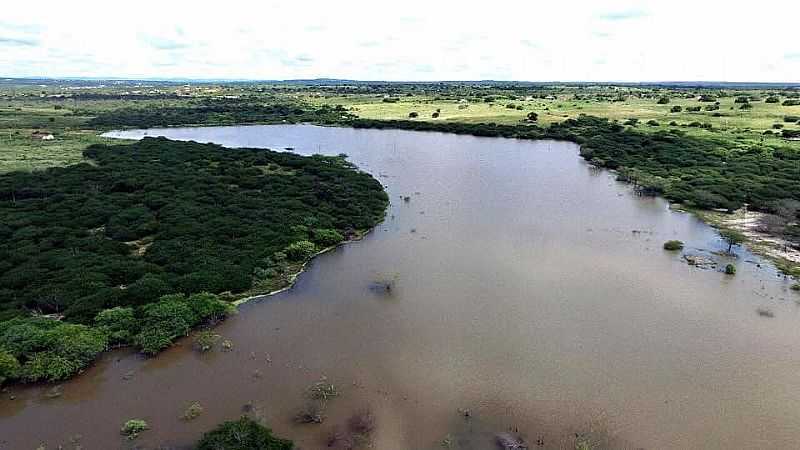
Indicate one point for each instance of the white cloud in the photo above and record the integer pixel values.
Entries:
(605, 40)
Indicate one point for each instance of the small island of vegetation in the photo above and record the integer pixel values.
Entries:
(155, 238)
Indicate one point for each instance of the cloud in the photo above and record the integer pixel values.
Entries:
(164, 43)
(18, 42)
(623, 15)
(792, 56)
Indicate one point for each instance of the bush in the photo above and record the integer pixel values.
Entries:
(174, 316)
(693, 108)
(163, 322)
(772, 99)
(796, 287)
(730, 269)
(327, 237)
(9, 366)
(791, 119)
(673, 245)
(49, 350)
(205, 340)
(663, 101)
(119, 324)
(242, 434)
(413, 115)
(300, 250)
(435, 115)
(532, 117)
(133, 427)
(741, 100)
(791, 102)
(676, 109)
(746, 106)
(652, 123)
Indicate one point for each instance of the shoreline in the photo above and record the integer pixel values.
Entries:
(292, 279)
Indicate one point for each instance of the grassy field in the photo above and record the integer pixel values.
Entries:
(65, 109)
(729, 120)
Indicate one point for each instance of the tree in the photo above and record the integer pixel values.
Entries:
(300, 250)
(413, 115)
(118, 323)
(532, 117)
(676, 109)
(9, 366)
(732, 237)
(663, 100)
(242, 434)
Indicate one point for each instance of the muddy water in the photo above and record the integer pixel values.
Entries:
(529, 289)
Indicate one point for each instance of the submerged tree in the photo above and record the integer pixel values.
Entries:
(732, 237)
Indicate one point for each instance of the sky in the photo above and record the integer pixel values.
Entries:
(412, 40)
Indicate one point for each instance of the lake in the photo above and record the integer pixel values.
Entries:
(530, 291)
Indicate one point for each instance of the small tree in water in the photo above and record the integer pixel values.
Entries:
(731, 237)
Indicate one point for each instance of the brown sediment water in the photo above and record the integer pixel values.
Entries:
(527, 288)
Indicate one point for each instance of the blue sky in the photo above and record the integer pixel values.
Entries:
(601, 40)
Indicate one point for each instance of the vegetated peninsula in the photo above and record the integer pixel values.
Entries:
(134, 246)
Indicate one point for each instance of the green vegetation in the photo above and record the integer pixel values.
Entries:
(133, 248)
(133, 427)
(192, 412)
(220, 112)
(242, 434)
(205, 340)
(732, 238)
(673, 245)
(730, 269)
(46, 349)
(161, 217)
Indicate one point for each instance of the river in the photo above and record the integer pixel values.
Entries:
(527, 287)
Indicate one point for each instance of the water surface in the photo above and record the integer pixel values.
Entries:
(529, 288)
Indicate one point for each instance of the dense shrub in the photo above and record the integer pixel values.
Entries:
(173, 316)
(242, 434)
(413, 115)
(300, 250)
(730, 269)
(64, 233)
(772, 99)
(119, 324)
(327, 237)
(49, 350)
(663, 100)
(9, 366)
(676, 109)
(791, 102)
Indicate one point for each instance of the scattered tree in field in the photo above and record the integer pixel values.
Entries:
(663, 100)
(435, 115)
(413, 115)
(532, 117)
(772, 99)
(676, 109)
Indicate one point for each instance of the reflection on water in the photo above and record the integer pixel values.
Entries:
(510, 281)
